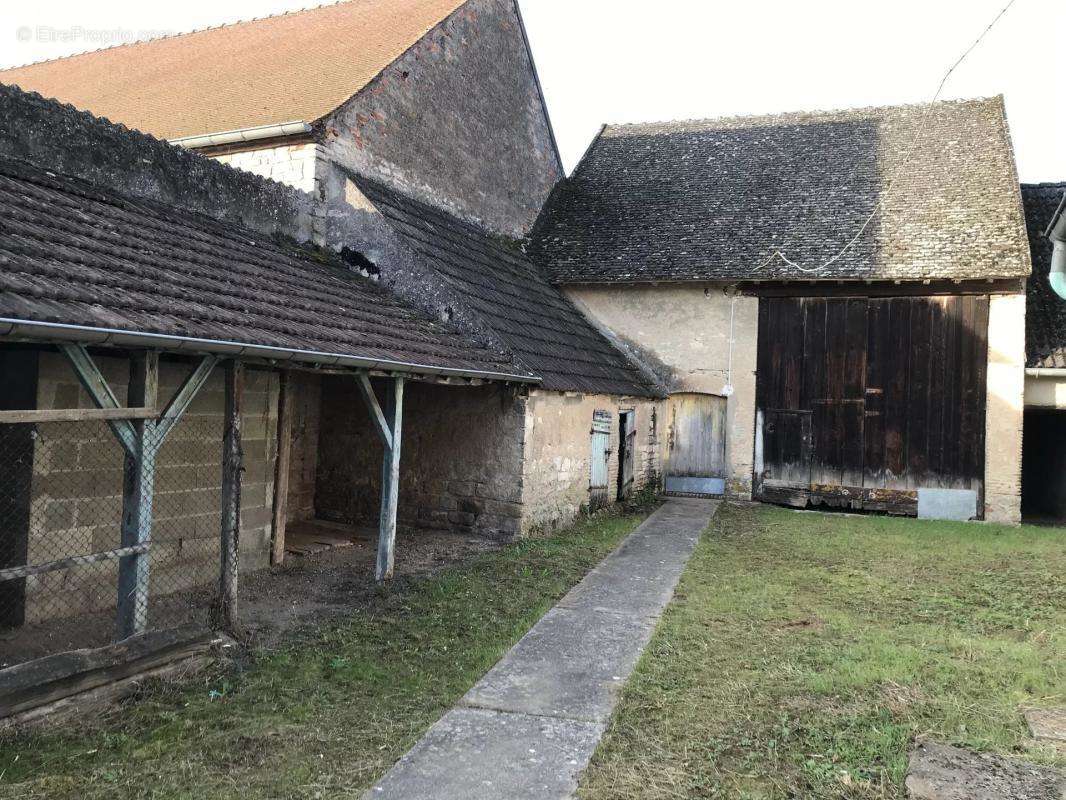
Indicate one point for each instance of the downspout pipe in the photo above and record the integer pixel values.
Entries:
(1056, 232)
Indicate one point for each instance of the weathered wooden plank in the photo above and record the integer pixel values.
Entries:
(75, 415)
(918, 395)
(185, 394)
(853, 392)
(895, 419)
(873, 459)
(377, 415)
(13, 573)
(952, 408)
(96, 385)
(36, 683)
(138, 490)
(390, 480)
(232, 458)
(937, 474)
(978, 407)
(281, 468)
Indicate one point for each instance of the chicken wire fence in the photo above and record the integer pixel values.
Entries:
(95, 545)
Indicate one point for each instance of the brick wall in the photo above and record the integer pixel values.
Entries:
(77, 488)
(461, 458)
(556, 473)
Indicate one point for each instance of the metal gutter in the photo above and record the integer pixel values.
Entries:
(243, 134)
(52, 331)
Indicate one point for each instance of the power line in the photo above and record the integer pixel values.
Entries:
(880, 204)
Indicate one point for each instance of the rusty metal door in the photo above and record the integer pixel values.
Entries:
(696, 453)
(599, 458)
(627, 445)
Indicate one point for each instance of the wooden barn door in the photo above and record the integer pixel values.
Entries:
(696, 454)
(862, 401)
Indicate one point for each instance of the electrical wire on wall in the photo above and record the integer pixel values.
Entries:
(879, 206)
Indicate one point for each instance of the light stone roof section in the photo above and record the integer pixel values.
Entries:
(714, 199)
(293, 67)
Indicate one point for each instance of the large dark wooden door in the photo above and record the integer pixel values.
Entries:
(863, 401)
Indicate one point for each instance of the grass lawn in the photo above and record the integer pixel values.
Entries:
(330, 712)
(804, 652)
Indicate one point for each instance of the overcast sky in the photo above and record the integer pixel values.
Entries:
(627, 61)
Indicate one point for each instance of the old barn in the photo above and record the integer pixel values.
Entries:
(849, 286)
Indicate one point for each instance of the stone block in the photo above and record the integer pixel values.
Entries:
(942, 772)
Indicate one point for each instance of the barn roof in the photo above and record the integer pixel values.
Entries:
(1045, 317)
(543, 329)
(935, 186)
(74, 254)
(293, 67)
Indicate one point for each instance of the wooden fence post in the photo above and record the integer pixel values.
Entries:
(138, 488)
(226, 615)
(390, 480)
(281, 468)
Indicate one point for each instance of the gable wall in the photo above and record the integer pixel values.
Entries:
(457, 122)
(681, 332)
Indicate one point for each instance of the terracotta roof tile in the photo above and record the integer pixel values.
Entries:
(293, 67)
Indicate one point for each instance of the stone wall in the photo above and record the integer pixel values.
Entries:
(77, 488)
(457, 121)
(558, 448)
(460, 463)
(1004, 414)
(292, 164)
(682, 332)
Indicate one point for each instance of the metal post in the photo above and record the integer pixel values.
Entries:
(226, 618)
(390, 480)
(137, 492)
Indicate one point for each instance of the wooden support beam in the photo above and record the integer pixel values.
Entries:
(390, 480)
(75, 415)
(377, 416)
(179, 403)
(281, 468)
(138, 490)
(14, 573)
(232, 456)
(93, 380)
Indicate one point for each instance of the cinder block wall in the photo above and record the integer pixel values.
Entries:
(460, 465)
(558, 448)
(683, 334)
(1005, 410)
(77, 488)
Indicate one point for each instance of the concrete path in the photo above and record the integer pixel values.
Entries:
(529, 727)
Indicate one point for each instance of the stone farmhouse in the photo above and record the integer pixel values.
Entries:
(336, 253)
